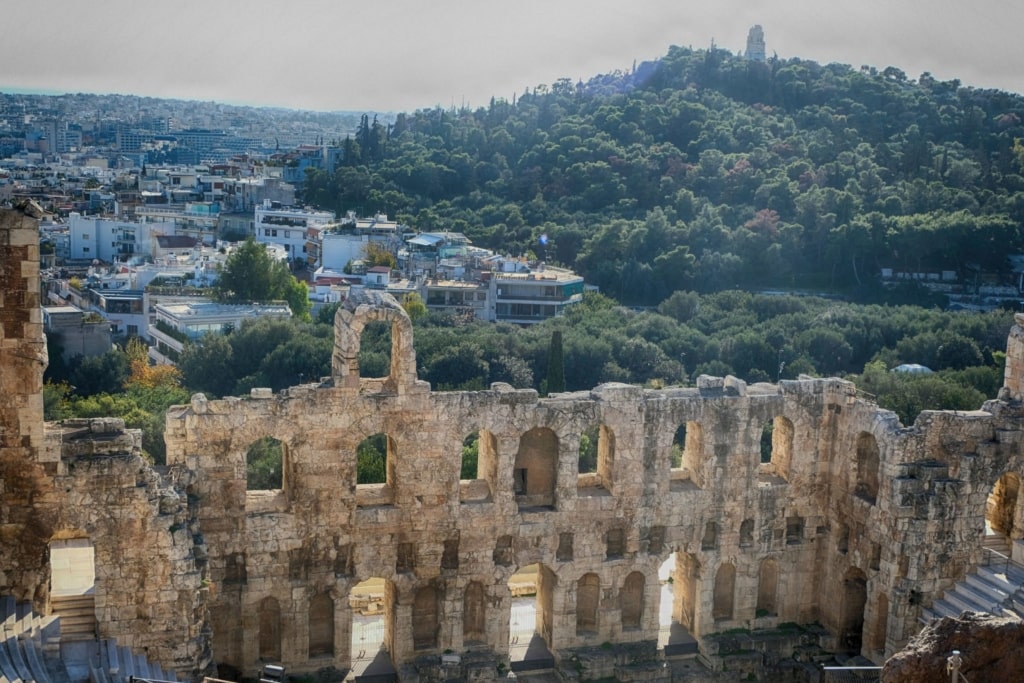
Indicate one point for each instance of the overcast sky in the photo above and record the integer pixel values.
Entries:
(401, 55)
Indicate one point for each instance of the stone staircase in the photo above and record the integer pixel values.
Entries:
(35, 648)
(31, 645)
(996, 587)
(77, 616)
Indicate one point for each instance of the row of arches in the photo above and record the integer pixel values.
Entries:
(536, 462)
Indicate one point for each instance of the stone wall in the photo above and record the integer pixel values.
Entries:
(87, 479)
(856, 521)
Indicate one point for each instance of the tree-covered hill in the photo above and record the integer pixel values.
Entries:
(706, 171)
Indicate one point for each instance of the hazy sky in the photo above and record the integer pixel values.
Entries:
(381, 55)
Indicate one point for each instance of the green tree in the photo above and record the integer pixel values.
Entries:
(371, 460)
(250, 274)
(264, 462)
(556, 364)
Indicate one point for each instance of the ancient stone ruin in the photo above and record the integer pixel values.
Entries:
(850, 520)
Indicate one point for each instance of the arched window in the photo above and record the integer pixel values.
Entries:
(867, 467)
(725, 589)
(264, 465)
(588, 596)
(270, 630)
(536, 467)
(631, 600)
(425, 618)
(321, 625)
(474, 614)
(767, 588)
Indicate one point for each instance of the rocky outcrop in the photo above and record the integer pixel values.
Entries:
(991, 649)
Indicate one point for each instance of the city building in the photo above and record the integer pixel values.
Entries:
(75, 332)
(288, 227)
(112, 240)
(176, 324)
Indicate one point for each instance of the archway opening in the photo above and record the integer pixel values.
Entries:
(270, 630)
(867, 467)
(265, 464)
(73, 586)
(375, 470)
(596, 455)
(767, 588)
(1002, 514)
(631, 601)
(474, 615)
(777, 447)
(531, 617)
(372, 603)
(479, 464)
(854, 597)
(321, 626)
(535, 470)
(375, 344)
(879, 632)
(724, 593)
(425, 618)
(678, 577)
(687, 456)
(588, 598)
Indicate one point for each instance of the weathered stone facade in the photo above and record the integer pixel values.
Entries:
(87, 479)
(856, 522)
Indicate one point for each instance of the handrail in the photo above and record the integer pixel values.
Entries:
(999, 560)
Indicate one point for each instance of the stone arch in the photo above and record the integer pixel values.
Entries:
(879, 632)
(854, 597)
(746, 533)
(688, 453)
(321, 625)
(725, 591)
(688, 569)
(479, 467)
(1001, 508)
(266, 461)
(596, 457)
(710, 539)
(360, 307)
(375, 470)
(474, 613)
(867, 467)
(767, 587)
(425, 618)
(536, 468)
(631, 600)
(588, 598)
(73, 577)
(270, 630)
(777, 445)
(373, 601)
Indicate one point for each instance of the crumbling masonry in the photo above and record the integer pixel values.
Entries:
(855, 522)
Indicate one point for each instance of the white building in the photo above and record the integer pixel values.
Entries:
(179, 323)
(112, 240)
(289, 227)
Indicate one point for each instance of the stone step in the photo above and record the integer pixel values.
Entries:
(983, 602)
(17, 658)
(960, 603)
(980, 584)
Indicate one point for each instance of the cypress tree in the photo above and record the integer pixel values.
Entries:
(556, 364)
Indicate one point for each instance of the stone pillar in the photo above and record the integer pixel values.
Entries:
(26, 529)
(1013, 377)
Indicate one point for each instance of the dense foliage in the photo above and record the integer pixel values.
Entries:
(755, 337)
(250, 274)
(706, 171)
